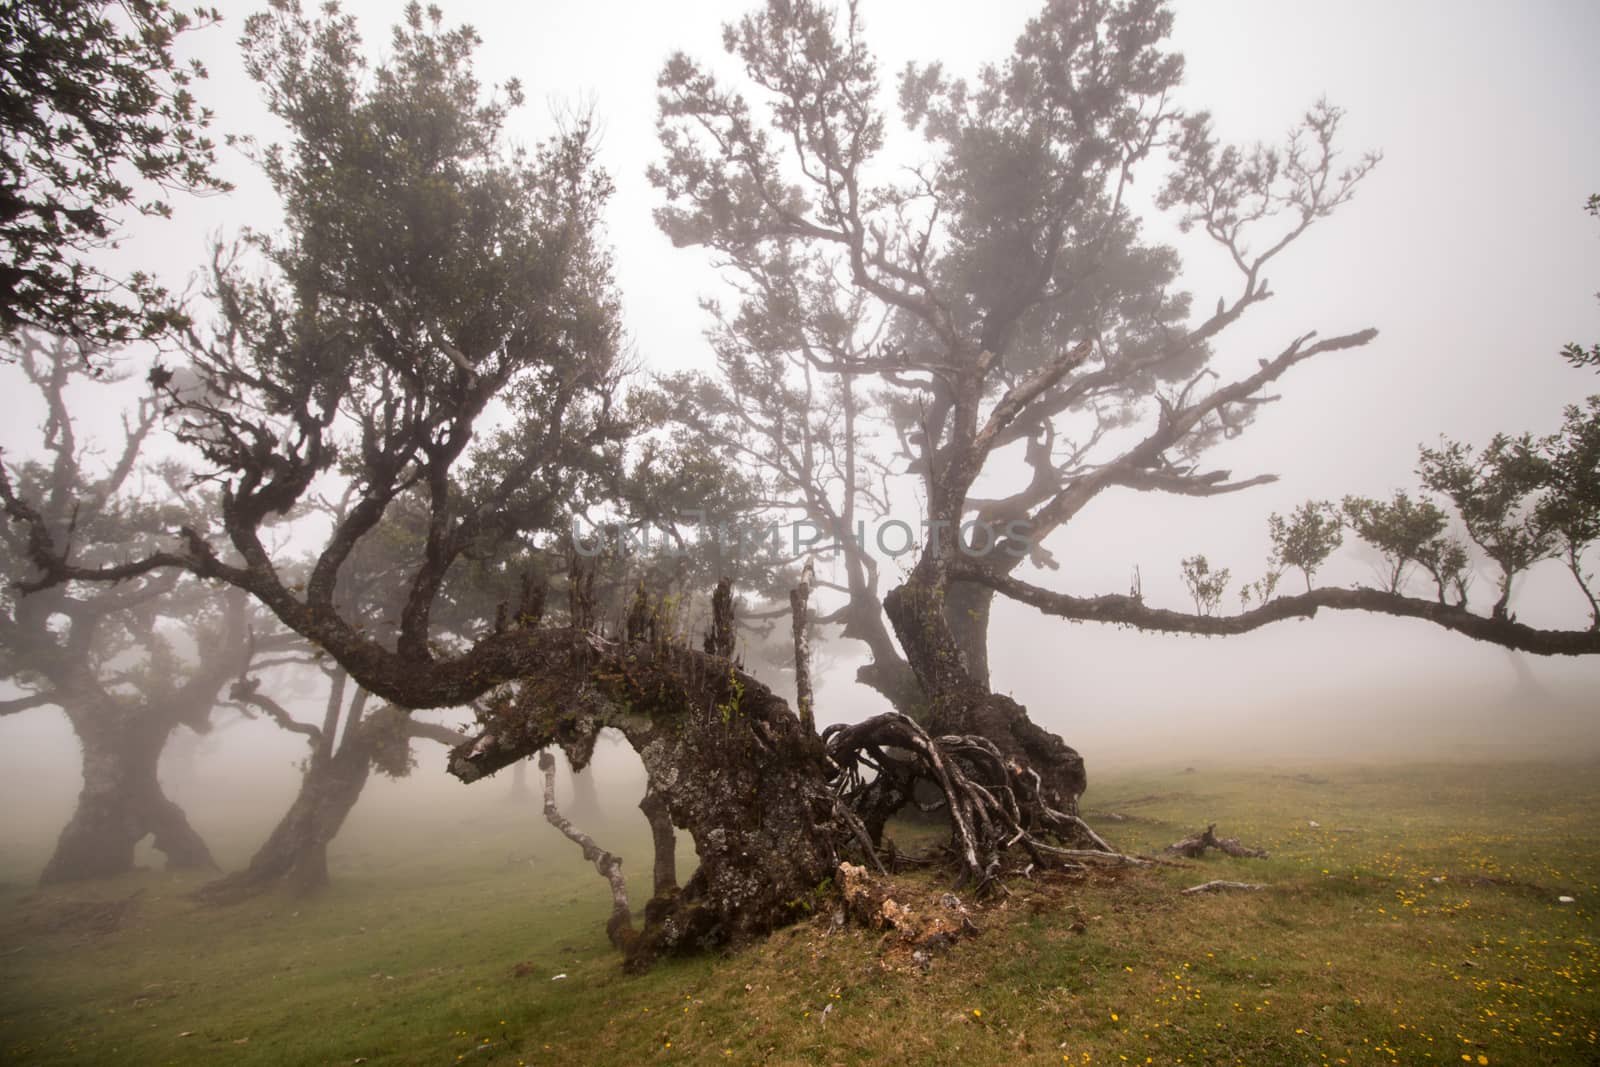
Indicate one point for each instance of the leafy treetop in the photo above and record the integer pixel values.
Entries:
(96, 118)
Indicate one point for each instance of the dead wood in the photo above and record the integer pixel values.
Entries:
(619, 928)
(872, 902)
(773, 809)
(1218, 884)
(1195, 845)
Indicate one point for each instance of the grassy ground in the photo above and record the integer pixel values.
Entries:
(1419, 922)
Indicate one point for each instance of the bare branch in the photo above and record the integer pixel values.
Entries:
(620, 927)
(434, 731)
(26, 703)
(1116, 608)
(245, 695)
(1216, 884)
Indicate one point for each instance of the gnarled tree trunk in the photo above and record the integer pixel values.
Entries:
(724, 756)
(296, 853)
(121, 802)
(959, 703)
(768, 802)
(664, 843)
(967, 610)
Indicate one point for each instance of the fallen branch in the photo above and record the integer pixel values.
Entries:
(1216, 884)
(871, 902)
(1195, 845)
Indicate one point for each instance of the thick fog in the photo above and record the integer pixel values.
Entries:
(1467, 249)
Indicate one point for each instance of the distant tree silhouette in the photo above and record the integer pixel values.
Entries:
(129, 663)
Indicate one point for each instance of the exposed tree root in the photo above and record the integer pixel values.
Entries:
(1195, 845)
(995, 805)
(773, 809)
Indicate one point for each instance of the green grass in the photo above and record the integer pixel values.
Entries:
(1418, 923)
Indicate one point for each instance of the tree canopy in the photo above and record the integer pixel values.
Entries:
(98, 119)
(127, 664)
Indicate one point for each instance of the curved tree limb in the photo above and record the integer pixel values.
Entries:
(27, 703)
(1132, 611)
(619, 928)
(434, 731)
(245, 696)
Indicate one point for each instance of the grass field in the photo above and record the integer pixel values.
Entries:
(1420, 922)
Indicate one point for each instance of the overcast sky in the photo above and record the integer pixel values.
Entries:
(1468, 249)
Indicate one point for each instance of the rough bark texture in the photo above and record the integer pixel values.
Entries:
(664, 843)
(121, 802)
(771, 806)
(726, 757)
(960, 704)
(967, 610)
(1132, 611)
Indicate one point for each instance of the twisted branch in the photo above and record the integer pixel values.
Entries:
(619, 928)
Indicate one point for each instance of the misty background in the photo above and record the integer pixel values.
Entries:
(1467, 248)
